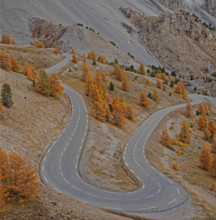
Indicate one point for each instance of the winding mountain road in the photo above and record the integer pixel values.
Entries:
(59, 167)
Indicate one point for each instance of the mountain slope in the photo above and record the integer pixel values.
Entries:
(103, 16)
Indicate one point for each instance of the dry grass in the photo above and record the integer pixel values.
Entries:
(39, 58)
(101, 162)
(29, 127)
(190, 176)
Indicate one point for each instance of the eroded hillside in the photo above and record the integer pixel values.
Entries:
(180, 41)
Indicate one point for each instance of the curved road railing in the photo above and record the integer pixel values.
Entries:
(59, 166)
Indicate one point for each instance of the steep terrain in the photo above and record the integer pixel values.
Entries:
(205, 9)
(82, 39)
(28, 128)
(180, 41)
(103, 16)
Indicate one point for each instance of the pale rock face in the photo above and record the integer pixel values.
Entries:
(210, 68)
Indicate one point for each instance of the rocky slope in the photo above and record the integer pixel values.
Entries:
(180, 41)
(101, 15)
(199, 7)
(82, 39)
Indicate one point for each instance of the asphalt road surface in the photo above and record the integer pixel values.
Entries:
(59, 167)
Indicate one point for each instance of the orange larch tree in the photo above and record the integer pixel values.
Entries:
(56, 51)
(42, 84)
(74, 58)
(125, 83)
(1, 107)
(88, 84)
(8, 40)
(213, 167)
(164, 77)
(212, 127)
(84, 58)
(102, 59)
(205, 158)
(189, 112)
(85, 70)
(29, 71)
(18, 180)
(5, 61)
(56, 87)
(159, 84)
(144, 101)
(15, 66)
(202, 109)
(141, 69)
(184, 135)
(202, 123)
(98, 109)
(148, 83)
(117, 114)
(165, 139)
(2, 194)
(108, 98)
(89, 56)
(97, 96)
(3, 39)
(119, 72)
(213, 146)
(107, 111)
(178, 89)
(123, 106)
(94, 55)
(41, 45)
(13, 42)
(129, 112)
(207, 135)
(23, 182)
(156, 95)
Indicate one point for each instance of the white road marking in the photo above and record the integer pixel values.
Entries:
(170, 181)
(149, 197)
(178, 191)
(159, 188)
(66, 181)
(57, 190)
(147, 174)
(171, 201)
(45, 158)
(143, 187)
(152, 179)
(46, 179)
(148, 208)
